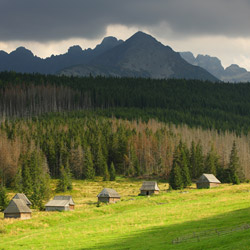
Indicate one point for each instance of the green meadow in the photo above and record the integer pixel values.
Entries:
(216, 218)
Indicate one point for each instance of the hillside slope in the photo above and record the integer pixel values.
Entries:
(199, 219)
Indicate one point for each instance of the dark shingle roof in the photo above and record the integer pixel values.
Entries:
(208, 178)
(65, 197)
(108, 192)
(17, 206)
(60, 201)
(22, 197)
(149, 186)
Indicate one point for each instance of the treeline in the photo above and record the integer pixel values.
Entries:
(190, 164)
(87, 146)
(220, 106)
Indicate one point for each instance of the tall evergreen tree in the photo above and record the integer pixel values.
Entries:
(33, 178)
(184, 169)
(175, 178)
(196, 160)
(106, 175)
(65, 182)
(4, 201)
(89, 172)
(211, 162)
(234, 165)
(112, 172)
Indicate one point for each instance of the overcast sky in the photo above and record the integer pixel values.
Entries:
(216, 27)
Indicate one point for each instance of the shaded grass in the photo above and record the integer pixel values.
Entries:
(135, 222)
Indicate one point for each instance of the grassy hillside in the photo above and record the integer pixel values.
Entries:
(138, 222)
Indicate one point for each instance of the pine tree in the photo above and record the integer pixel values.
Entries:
(175, 178)
(196, 160)
(65, 182)
(89, 172)
(234, 165)
(112, 172)
(3, 198)
(106, 175)
(100, 163)
(211, 162)
(184, 169)
(33, 178)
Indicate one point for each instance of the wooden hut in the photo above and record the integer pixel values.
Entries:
(60, 203)
(24, 198)
(108, 195)
(149, 187)
(17, 208)
(207, 181)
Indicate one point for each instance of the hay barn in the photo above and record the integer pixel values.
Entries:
(24, 198)
(108, 195)
(60, 203)
(149, 187)
(17, 208)
(207, 181)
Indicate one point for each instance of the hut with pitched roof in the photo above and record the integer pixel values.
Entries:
(17, 208)
(24, 198)
(60, 203)
(108, 195)
(207, 181)
(149, 187)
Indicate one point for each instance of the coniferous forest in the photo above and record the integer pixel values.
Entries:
(80, 128)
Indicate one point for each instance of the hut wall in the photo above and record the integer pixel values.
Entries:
(214, 185)
(71, 207)
(103, 199)
(25, 216)
(14, 215)
(22, 216)
(149, 192)
(203, 185)
(66, 208)
(113, 200)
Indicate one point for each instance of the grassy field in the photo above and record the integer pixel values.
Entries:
(208, 219)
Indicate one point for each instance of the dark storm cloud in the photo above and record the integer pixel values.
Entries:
(44, 20)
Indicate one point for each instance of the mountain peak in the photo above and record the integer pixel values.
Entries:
(109, 40)
(142, 36)
(76, 49)
(22, 51)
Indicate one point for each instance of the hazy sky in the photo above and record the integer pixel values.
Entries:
(216, 27)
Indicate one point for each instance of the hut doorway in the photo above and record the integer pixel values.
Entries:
(147, 193)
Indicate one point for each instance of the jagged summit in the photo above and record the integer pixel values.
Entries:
(76, 49)
(22, 51)
(140, 56)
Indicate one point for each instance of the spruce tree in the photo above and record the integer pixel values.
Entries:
(106, 175)
(33, 178)
(234, 165)
(3, 198)
(89, 172)
(211, 162)
(112, 172)
(175, 178)
(100, 163)
(184, 169)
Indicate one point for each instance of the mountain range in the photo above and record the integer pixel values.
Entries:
(233, 73)
(139, 56)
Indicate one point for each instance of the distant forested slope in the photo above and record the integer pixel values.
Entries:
(196, 103)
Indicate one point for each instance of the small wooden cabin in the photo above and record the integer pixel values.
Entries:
(23, 197)
(17, 208)
(60, 203)
(149, 187)
(207, 181)
(108, 195)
